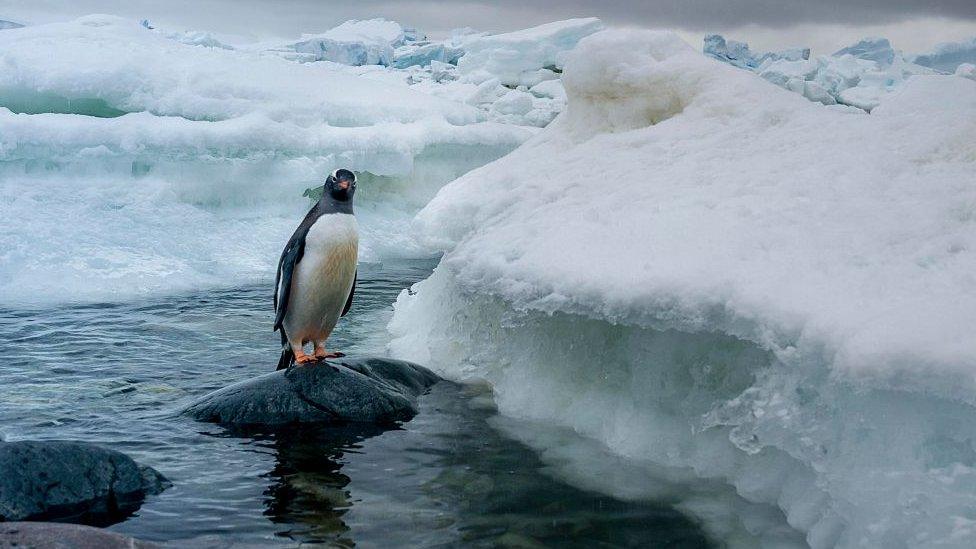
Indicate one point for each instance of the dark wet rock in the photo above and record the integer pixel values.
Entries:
(52, 535)
(72, 482)
(362, 390)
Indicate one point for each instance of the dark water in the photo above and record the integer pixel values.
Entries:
(117, 374)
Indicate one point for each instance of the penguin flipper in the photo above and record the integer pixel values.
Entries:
(352, 292)
(290, 257)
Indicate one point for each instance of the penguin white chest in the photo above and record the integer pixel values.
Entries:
(323, 278)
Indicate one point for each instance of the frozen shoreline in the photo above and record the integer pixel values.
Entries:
(701, 269)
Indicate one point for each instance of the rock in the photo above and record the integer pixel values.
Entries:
(71, 481)
(364, 390)
(52, 535)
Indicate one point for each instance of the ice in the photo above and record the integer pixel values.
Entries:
(948, 56)
(198, 38)
(516, 58)
(739, 55)
(421, 56)
(5, 25)
(119, 134)
(874, 49)
(700, 270)
(354, 42)
(860, 75)
(966, 70)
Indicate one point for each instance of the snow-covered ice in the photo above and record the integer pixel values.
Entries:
(516, 58)
(702, 270)
(859, 75)
(738, 53)
(874, 49)
(948, 56)
(354, 42)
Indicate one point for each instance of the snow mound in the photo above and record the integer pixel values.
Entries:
(966, 70)
(702, 270)
(948, 56)
(149, 136)
(515, 58)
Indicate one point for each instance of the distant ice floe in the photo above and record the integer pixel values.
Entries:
(704, 271)
(859, 75)
(947, 57)
(122, 133)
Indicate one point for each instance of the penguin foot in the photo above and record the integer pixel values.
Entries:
(305, 359)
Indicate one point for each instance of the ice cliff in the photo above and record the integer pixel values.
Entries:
(704, 271)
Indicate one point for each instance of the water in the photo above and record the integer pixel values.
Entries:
(117, 374)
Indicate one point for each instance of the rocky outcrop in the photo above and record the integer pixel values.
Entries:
(362, 390)
(71, 481)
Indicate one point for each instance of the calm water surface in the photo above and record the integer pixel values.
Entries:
(118, 374)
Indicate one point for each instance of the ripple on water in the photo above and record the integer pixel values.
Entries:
(117, 374)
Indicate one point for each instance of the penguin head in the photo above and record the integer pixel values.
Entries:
(341, 185)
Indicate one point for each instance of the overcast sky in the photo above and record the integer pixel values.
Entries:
(824, 25)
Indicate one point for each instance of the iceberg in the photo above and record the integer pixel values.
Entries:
(739, 55)
(515, 58)
(799, 326)
(422, 56)
(860, 75)
(948, 56)
(874, 49)
(354, 42)
(150, 136)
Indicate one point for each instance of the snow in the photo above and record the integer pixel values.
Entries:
(948, 56)
(154, 136)
(6, 25)
(698, 269)
(966, 70)
(515, 58)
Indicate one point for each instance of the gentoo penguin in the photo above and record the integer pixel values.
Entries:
(317, 273)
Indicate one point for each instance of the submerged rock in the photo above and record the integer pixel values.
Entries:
(52, 535)
(71, 481)
(365, 390)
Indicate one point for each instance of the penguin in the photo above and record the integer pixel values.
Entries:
(317, 273)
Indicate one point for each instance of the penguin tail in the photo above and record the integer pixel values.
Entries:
(286, 360)
(287, 356)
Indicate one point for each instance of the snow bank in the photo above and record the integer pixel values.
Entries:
(702, 270)
(122, 134)
(516, 58)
